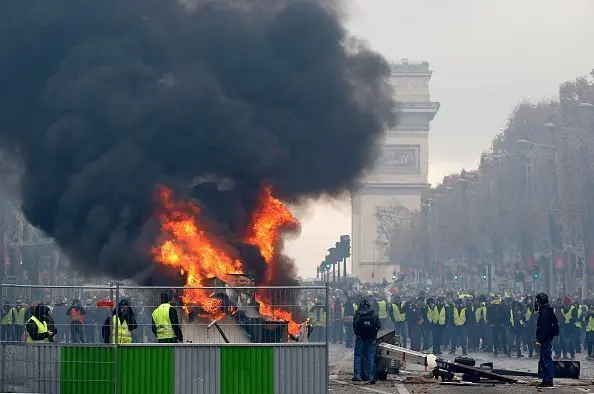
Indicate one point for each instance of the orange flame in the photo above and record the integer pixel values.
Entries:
(269, 219)
(197, 254)
(193, 251)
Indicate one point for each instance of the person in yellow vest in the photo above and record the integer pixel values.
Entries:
(529, 324)
(165, 324)
(589, 322)
(20, 315)
(349, 313)
(337, 319)
(5, 323)
(382, 312)
(37, 327)
(436, 315)
(459, 326)
(318, 319)
(568, 314)
(397, 314)
(118, 327)
(578, 332)
(516, 327)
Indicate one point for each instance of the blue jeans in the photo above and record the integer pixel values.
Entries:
(546, 361)
(364, 349)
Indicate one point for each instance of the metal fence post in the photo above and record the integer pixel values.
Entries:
(114, 334)
(3, 346)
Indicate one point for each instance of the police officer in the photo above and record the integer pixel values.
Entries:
(165, 324)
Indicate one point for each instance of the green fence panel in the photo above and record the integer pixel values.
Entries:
(146, 370)
(247, 370)
(86, 369)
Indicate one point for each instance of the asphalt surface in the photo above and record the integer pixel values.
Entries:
(407, 382)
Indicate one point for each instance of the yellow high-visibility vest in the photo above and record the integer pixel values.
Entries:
(383, 310)
(399, 317)
(511, 317)
(19, 316)
(578, 323)
(435, 316)
(320, 319)
(478, 314)
(121, 330)
(162, 322)
(590, 325)
(568, 314)
(459, 317)
(355, 307)
(41, 328)
(6, 319)
(528, 314)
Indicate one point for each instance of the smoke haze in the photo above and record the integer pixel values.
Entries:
(104, 100)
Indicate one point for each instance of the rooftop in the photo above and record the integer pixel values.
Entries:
(405, 66)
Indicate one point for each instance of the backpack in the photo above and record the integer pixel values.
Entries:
(366, 326)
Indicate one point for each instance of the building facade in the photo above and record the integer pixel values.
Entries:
(393, 188)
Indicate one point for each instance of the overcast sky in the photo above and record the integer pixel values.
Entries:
(486, 56)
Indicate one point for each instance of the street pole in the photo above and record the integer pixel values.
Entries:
(489, 278)
(585, 279)
(334, 273)
(344, 268)
(338, 264)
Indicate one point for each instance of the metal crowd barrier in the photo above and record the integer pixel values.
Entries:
(239, 351)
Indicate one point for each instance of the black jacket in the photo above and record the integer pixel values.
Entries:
(41, 312)
(129, 318)
(366, 312)
(546, 323)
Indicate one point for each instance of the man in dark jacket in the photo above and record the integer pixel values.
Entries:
(547, 328)
(366, 324)
(125, 324)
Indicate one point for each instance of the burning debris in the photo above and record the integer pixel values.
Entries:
(230, 109)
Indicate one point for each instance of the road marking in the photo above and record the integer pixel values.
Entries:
(368, 389)
(401, 389)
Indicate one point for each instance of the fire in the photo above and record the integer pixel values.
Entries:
(270, 217)
(200, 256)
(190, 249)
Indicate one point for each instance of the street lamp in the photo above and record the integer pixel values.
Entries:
(586, 105)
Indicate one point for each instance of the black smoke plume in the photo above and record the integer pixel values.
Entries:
(103, 100)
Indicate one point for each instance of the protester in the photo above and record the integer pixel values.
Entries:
(366, 324)
(547, 328)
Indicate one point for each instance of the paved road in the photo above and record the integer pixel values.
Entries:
(341, 366)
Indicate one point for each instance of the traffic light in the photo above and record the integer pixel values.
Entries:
(484, 275)
(394, 275)
(345, 245)
(456, 277)
(536, 272)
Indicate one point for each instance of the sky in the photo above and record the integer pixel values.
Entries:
(486, 57)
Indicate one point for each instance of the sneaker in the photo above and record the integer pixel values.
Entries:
(545, 384)
(372, 381)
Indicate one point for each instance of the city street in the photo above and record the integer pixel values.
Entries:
(411, 381)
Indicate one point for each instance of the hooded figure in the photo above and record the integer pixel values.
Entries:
(122, 321)
(547, 328)
(366, 324)
(40, 328)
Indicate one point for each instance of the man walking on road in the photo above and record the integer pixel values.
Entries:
(547, 328)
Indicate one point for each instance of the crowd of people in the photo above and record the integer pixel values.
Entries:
(446, 322)
(93, 321)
